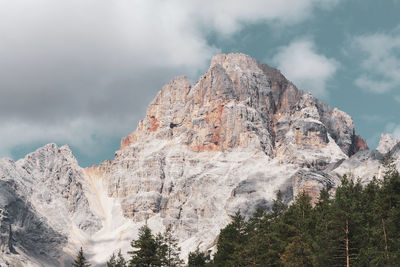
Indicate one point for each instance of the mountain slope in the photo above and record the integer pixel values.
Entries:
(202, 152)
(44, 207)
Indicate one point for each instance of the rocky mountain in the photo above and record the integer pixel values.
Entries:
(203, 151)
(44, 208)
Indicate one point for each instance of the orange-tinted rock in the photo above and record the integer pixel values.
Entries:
(358, 144)
(237, 105)
(153, 124)
(126, 141)
(257, 134)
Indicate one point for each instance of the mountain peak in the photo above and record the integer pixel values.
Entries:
(238, 102)
(236, 62)
(386, 143)
(203, 151)
(226, 143)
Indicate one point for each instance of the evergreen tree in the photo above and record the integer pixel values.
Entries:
(80, 260)
(278, 207)
(372, 251)
(324, 243)
(112, 261)
(359, 226)
(263, 242)
(348, 221)
(297, 253)
(389, 202)
(197, 259)
(231, 242)
(298, 249)
(256, 238)
(116, 261)
(145, 249)
(170, 250)
(388, 165)
(120, 261)
(161, 252)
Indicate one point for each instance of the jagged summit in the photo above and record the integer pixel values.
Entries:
(239, 101)
(43, 201)
(203, 151)
(386, 143)
(227, 142)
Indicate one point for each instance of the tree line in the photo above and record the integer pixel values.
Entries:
(358, 226)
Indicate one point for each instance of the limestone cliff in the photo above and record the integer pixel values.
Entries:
(228, 142)
(386, 143)
(203, 151)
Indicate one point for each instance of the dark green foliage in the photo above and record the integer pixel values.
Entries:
(297, 251)
(357, 225)
(197, 259)
(80, 260)
(325, 240)
(278, 207)
(161, 250)
(112, 261)
(116, 261)
(231, 243)
(146, 248)
(168, 250)
(121, 262)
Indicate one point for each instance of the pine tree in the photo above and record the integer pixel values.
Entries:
(197, 259)
(255, 246)
(298, 250)
(263, 244)
(231, 242)
(324, 243)
(388, 165)
(161, 252)
(297, 253)
(112, 261)
(80, 260)
(171, 249)
(121, 262)
(348, 222)
(372, 251)
(389, 202)
(116, 261)
(359, 226)
(145, 253)
(278, 207)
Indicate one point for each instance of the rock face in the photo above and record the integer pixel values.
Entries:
(229, 142)
(22, 229)
(42, 201)
(358, 144)
(386, 143)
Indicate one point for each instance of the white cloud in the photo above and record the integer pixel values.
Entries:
(301, 63)
(393, 129)
(89, 135)
(381, 66)
(227, 16)
(69, 61)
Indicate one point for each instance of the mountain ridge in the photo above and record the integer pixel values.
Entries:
(282, 95)
(228, 142)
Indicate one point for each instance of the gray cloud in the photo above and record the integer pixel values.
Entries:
(70, 69)
(381, 62)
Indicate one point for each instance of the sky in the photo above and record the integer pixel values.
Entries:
(82, 72)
